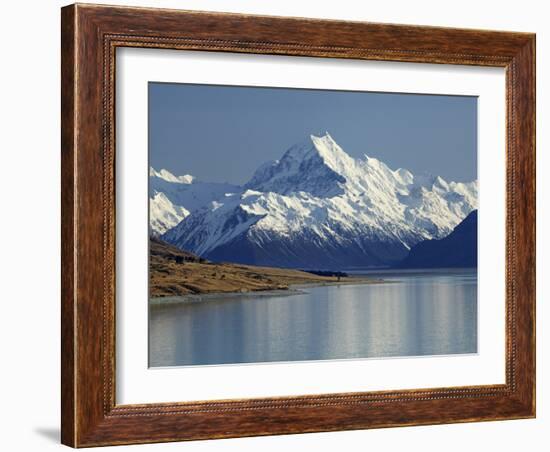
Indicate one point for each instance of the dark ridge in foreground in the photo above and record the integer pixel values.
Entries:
(458, 249)
(161, 249)
(327, 273)
(174, 272)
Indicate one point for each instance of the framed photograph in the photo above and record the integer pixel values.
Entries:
(281, 225)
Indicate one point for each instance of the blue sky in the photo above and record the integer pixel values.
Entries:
(222, 134)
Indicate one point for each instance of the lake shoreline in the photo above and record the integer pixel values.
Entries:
(294, 289)
(177, 273)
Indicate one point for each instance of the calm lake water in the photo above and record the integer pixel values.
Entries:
(412, 313)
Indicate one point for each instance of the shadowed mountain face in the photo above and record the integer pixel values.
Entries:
(316, 207)
(458, 249)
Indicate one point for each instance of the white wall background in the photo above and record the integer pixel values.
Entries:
(29, 328)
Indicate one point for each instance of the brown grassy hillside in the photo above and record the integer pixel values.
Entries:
(174, 272)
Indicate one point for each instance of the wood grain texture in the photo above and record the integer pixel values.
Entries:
(68, 244)
(90, 36)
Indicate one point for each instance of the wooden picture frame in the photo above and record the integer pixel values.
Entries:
(90, 36)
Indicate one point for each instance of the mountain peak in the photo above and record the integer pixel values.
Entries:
(332, 154)
(317, 166)
(326, 137)
(169, 177)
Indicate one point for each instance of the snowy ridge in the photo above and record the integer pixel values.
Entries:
(173, 198)
(319, 207)
(163, 214)
(169, 177)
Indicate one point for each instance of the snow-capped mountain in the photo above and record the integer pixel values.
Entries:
(317, 207)
(173, 198)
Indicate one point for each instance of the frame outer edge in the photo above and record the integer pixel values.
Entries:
(534, 225)
(68, 230)
(525, 62)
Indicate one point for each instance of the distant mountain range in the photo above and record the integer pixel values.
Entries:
(458, 249)
(316, 207)
(171, 198)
